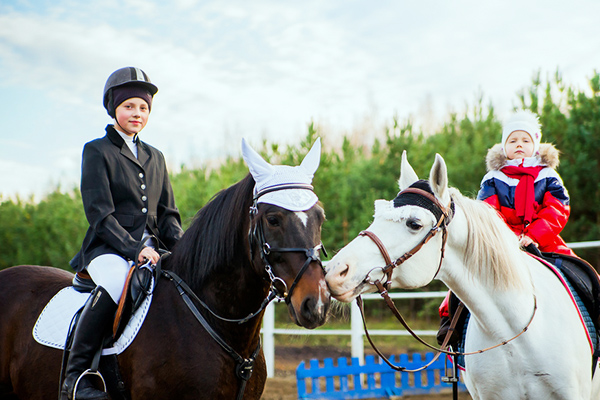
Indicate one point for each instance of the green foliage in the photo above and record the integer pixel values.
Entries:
(351, 177)
(47, 233)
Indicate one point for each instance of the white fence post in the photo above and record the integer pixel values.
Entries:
(358, 349)
(268, 331)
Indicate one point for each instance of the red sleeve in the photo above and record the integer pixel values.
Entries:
(549, 221)
(495, 204)
(443, 309)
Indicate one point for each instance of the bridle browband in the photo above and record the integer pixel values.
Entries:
(444, 216)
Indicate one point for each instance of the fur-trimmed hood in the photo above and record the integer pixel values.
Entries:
(496, 159)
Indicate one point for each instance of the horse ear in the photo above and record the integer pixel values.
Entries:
(256, 164)
(313, 158)
(438, 179)
(408, 176)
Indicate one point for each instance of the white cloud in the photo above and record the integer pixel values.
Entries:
(266, 68)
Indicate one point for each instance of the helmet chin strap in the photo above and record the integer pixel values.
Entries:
(125, 131)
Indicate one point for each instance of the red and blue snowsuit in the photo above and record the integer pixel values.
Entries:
(549, 202)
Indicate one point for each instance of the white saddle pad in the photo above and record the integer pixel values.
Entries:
(52, 326)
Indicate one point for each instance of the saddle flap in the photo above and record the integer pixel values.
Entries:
(83, 283)
(583, 277)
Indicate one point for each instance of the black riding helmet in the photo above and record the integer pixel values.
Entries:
(125, 76)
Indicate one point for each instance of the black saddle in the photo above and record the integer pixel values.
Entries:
(137, 287)
(582, 276)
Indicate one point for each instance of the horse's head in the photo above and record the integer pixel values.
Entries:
(400, 227)
(285, 234)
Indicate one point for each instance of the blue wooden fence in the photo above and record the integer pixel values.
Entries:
(374, 379)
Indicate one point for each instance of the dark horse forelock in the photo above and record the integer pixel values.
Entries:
(214, 235)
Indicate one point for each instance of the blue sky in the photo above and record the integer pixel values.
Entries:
(264, 69)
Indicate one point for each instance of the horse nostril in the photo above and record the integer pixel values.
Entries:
(308, 313)
(307, 307)
(344, 272)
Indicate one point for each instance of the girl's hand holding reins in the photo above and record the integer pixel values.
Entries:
(148, 253)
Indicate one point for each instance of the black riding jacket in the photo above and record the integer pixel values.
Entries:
(122, 196)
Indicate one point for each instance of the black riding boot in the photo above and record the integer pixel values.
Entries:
(94, 323)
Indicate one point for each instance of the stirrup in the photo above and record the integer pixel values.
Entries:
(450, 373)
(85, 373)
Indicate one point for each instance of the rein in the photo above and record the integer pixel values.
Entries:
(439, 350)
(244, 366)
(387, 270)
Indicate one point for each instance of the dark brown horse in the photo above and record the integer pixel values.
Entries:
(173, 356)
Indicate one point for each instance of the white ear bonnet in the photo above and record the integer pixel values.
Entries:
(269, 176)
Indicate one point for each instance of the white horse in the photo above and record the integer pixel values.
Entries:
(498, 282)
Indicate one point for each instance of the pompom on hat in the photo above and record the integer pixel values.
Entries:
(299, 198)
(523, 120)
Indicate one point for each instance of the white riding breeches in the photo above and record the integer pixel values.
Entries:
(110, 271)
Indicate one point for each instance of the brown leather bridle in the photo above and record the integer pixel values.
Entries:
(387, 270)
(441, 224)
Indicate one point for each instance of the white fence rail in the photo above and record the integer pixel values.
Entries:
(356, 329)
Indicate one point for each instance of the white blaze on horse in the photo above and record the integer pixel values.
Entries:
(500, 284)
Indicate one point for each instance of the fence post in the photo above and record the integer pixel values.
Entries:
(269, 338)
(356, 334)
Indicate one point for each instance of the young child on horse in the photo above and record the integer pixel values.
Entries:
(127, 197)
(524, 187)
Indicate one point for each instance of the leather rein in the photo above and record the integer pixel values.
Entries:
(387, 270)
(278, 288)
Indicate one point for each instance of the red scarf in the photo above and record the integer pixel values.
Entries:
(525, 192)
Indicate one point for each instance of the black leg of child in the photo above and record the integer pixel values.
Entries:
(93, 325)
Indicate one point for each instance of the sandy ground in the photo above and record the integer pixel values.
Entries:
(283, 385)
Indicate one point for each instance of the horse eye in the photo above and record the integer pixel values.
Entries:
(413, 224)
(273, 221)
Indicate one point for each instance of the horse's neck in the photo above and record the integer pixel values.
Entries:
(499, 310)
(236, 295)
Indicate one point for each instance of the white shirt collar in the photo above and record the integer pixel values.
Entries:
(129, 140)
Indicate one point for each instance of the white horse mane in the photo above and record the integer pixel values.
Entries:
(492, 249)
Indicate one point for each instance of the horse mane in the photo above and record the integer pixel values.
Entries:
(215, 236)
(492, 249)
